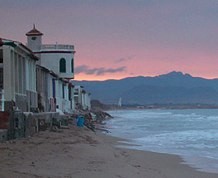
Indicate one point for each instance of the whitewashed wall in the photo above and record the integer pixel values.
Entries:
(51, 61)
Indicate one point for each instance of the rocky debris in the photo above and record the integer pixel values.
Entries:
(92, 118)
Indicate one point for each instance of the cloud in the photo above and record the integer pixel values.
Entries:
(124, 59)
(97, 71)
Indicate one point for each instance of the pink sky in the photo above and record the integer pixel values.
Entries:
(122, 38)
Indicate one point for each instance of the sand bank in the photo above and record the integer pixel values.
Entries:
(80, 153)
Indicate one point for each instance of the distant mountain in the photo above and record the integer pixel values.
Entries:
(174, 87)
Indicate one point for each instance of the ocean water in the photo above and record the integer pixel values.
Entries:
(190, 133)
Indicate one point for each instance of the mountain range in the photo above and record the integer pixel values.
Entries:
(170, 88)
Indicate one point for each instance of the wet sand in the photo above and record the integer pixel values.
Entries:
(80, 153)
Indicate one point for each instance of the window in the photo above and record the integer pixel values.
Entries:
(33, 38)
(72, 65)
(69, 93)
(62, 65)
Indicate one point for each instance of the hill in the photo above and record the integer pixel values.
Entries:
(174, 88)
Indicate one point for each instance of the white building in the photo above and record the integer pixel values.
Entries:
(17, 76)
(44, 89)
(82, 98)
(53, 92)
(64, 92)
(59, 60)
(56, 57)
(86, 100)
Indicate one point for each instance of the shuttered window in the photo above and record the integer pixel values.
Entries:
(62, 65)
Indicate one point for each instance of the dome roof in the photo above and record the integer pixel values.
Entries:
(34, 32)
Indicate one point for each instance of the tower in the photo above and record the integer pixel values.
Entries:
(34, 39)
(56, 57)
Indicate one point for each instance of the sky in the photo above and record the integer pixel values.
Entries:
(115, 39)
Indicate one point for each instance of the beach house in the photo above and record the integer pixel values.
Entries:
(36, 86)
(55, 71)
(82, 98)
(17, 76)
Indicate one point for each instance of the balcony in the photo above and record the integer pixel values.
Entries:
(57, 47)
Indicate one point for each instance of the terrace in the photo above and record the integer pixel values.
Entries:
(57, 46)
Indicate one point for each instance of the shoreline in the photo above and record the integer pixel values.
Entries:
(186, 160)
(79, 152)
(123, 143)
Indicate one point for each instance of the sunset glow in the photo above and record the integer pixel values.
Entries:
(117, 38)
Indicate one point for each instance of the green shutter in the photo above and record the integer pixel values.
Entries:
(62, 65)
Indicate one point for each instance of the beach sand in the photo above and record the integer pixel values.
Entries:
(80, 153)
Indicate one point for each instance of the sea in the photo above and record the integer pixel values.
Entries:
(191, 134)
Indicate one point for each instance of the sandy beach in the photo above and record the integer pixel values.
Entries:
(81, 153)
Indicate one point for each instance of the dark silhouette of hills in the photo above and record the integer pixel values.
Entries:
(174, 88)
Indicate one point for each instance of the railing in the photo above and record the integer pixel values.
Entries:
(2, 100)
(57, 46)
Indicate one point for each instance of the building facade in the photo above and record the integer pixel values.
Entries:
(39, 77)
(56, 57)
(17, 76)
(82, 98)
(54, 72)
